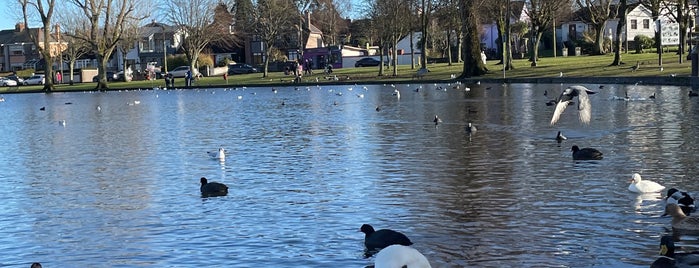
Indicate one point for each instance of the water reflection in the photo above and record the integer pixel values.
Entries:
(119, 185)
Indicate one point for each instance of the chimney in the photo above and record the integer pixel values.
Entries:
(308, 19)
(19, 27)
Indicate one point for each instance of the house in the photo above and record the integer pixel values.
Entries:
(18, 52)
(639, 21)
(154, 42)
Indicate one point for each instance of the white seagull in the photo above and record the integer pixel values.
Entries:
(584, 106)
(220, 154)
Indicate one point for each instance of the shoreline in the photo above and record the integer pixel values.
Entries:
(643, 80)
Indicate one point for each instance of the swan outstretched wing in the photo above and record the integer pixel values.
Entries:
(584, 107)
(560, 107)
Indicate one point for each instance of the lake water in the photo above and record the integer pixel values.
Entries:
(306, 167)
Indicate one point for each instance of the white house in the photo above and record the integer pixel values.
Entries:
(638, 22)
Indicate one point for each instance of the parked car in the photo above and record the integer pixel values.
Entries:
(241, 68)
(37, 79)
(111, 76)
(182, 72)
(17, 79)
(6, 82)
(367, 62)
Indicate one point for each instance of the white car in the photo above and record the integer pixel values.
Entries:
(37, 79)
(6, 82)
(182, 72)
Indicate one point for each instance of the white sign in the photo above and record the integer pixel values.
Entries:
(669, 33)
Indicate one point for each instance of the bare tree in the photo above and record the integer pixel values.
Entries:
(425, 19)
(598, 13)
(271, 22)
(390, 15)
(470, 18)
(75, 49)
(681, 12)
(541, 14)
(101, 25)
(328, 18)
(196, 19)
(44, 9)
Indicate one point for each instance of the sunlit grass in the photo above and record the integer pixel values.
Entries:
(572, 66)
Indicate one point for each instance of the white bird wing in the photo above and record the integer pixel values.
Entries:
(584, 107)
(560, 107)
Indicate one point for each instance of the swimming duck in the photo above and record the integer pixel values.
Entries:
(471, 129)
(375, 240)
(584, 106)
(585, 153)
(560, 138)
(209, 189)
(669, 258)
(436, 120)
(400, 256)
(680, 221)
(682, 199)
(638, 185)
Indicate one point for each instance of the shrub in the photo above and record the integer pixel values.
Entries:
(643, 42)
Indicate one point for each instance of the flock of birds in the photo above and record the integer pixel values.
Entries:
(678, 204)
(393, 249)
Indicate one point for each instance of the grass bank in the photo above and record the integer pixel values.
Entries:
(549, 69)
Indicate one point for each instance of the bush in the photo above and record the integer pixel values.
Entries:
(643, 42)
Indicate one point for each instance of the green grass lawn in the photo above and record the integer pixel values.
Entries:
(548, 67)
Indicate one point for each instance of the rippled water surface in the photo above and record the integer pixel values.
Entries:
(306, 167)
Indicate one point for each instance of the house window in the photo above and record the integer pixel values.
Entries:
(646, 24)
(634, 24)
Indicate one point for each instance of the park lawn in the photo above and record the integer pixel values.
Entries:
(548, 67)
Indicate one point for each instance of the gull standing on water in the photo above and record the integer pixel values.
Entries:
(584, 106)
(220, 154)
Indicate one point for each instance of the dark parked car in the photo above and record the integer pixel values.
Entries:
(111, 76)
(367, 62)
(241, 68)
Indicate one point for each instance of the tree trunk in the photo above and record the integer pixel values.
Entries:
(473, 65)
(599, 40)
(102, 70)
(449, 59)
(459, 46)
(266, 72)
(412, 52)
(71, 67)
(619, 28)
(535, 48)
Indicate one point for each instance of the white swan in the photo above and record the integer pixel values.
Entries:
(638, 185)
(397, 256)
(220, 154)
(584, 106)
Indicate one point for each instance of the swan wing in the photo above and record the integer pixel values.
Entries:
(560, 107)
(584, 107)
